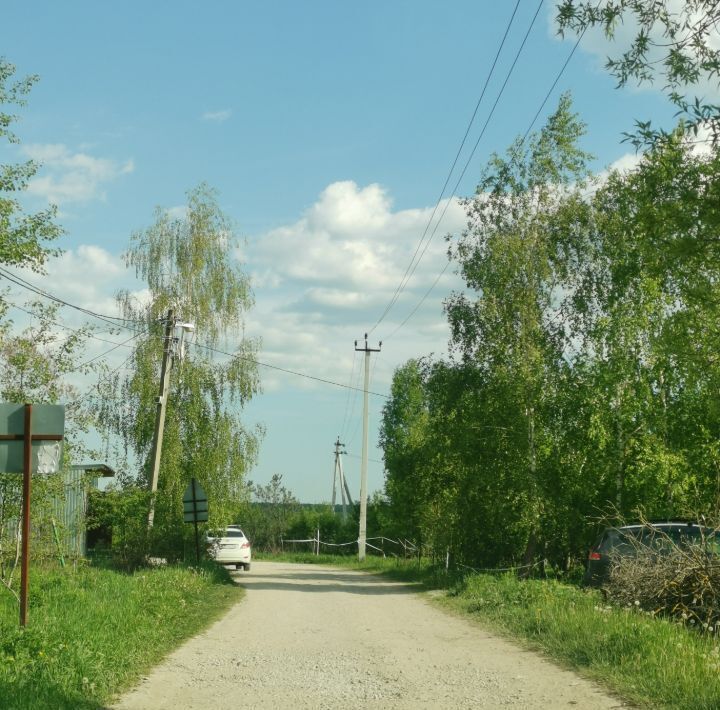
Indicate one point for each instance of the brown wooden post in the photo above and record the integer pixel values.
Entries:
(27, 438)
(27, 486)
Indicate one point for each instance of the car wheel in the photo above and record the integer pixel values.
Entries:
(239, 566)
(247, 567)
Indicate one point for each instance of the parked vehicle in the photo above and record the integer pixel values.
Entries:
(232, 548)
(627, 539)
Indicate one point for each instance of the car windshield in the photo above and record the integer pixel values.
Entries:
(626, 539)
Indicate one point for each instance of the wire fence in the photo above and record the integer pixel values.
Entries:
(406, 549)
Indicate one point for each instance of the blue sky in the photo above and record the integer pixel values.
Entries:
(328, 129)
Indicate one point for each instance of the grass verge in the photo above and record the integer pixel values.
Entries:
(653, 662)
(93, 632)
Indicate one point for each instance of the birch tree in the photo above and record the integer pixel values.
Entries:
(190, 265)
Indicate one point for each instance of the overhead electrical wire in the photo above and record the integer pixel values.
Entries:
(285, 370)
(117, 321)
(63, 302)
(472, 153)
(355, 396)
(357, 456)
(67, 327)
(347, 398)
(107, 375)
(525, 135)
(408, 273)
(554, 84)
(107, 352)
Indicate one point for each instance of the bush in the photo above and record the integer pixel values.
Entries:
(123, 513)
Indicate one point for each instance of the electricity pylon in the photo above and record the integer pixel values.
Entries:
(339, 478)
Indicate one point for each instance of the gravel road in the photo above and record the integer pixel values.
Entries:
(319, 637)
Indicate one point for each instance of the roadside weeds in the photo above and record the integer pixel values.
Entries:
(94, 632)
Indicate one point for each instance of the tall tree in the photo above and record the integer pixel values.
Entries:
(512, 326)
(23, 236)
(652, 280)
(189, 265)
(403, 438)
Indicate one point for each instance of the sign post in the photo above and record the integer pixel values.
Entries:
(19, 455)
(195, 509)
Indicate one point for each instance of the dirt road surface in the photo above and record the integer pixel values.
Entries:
(322, 638)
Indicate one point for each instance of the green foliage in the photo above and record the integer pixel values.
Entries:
(485, 470)
(635, 654)
(273, 514)
(22, 236)
(190, 266)
(122, 514)
(93, 633)
(583, 370)
(34, 367)
(267, 520)
(675, 43)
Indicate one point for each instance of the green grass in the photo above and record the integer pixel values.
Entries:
(653, 662)
(93, 632)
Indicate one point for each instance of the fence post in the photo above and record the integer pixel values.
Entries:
(317, 544)
(447, 560)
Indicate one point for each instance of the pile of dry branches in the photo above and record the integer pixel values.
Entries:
(661, 576)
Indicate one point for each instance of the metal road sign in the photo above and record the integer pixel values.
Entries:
(48, 426)
(195, 503)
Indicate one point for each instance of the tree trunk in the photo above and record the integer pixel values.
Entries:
(531, 546)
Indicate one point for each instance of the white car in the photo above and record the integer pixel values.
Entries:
(233, 548)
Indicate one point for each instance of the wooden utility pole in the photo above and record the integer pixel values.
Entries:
(168, 343)
(362, 535)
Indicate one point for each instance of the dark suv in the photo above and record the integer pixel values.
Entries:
(625, 540)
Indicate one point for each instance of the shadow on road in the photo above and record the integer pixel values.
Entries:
(316, 581)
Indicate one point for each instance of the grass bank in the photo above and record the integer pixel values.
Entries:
(653, 662)
(93, 632)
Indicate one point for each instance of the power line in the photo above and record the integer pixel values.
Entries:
(107, 352)
(527, 132)
(408, 273)
(75, 402)
(112, 320)
(355, 397)
(285, 370)
(356, 456)
(347, 399)
(61, 301)
(67, 327)
(554, 84)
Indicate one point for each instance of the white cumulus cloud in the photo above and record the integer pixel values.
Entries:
(69, 176)
(322, 281)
